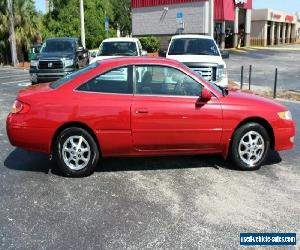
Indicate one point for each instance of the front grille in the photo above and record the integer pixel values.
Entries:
(51, 64)
(207, 72)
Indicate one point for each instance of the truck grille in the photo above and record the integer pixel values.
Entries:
(207, 72)
(51, 64)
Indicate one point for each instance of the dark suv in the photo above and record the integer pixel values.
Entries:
(58, 57)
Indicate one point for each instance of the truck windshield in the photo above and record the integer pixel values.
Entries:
(118, 49)
(193, 46)
(58, 46)
(73, 75)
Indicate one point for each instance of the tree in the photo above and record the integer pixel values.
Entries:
(64, 20)
(4, 34)
(26, 26)
(12, 35)
(122, 16)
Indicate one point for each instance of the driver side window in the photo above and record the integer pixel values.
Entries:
(162, 80)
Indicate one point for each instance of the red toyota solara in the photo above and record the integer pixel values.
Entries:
(145, 107)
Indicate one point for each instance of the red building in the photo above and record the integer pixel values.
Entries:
(229, 21)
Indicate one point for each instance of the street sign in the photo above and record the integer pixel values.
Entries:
(179, 17)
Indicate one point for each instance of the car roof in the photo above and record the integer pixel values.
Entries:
(121, 39)
(139, 60)
(192, 36)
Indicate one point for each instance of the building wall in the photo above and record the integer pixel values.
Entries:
(258, 33)
(161, 20)
(298, 31)
(284, 27)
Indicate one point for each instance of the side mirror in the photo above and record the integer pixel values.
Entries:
(162, 53)
(205, 95)
(144, 53)
(224, 54)
(94, 54)
(80, 49)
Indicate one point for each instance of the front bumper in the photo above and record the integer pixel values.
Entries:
(284, 137)
(46, 75)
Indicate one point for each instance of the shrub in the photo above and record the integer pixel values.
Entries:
(150, 44)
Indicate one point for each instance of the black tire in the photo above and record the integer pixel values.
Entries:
(60, 155)
(34, 82)
(240, 136)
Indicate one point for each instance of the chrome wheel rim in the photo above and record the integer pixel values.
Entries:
(251, 148)
(76, 152)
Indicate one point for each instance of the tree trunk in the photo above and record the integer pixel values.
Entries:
(12, 37)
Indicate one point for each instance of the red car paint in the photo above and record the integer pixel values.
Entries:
(139, 125)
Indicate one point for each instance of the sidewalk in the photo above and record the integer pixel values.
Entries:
(266, 91)
(282, 47)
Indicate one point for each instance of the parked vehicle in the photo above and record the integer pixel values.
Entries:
(57, 58)
(161, 107)
(117, 47)
(34, 51)
(202, 55)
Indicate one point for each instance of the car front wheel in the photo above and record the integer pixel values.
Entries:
(250, 146)
(76, 152)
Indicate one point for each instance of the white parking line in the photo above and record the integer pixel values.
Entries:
(24, 84)
(13, 75)
(8, 83)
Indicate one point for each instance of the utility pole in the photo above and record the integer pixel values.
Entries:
(12, 36)
(82, 24)
(211, 18)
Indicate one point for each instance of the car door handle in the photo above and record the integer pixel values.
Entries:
(141, 111)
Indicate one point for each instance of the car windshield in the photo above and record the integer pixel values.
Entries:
(193, 46)
(71, 76)
(118, 49)
(58, 46)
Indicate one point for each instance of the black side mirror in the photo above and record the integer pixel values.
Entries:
(224, 54)
(162, 53)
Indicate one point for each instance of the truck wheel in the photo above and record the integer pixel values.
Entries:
(76, 152)
(34, 80)
(250, 146)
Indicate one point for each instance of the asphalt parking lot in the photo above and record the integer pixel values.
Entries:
(264, 62)
(197, 202)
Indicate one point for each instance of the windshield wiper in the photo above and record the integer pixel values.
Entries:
(224, 90)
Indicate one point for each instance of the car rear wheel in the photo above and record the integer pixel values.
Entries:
(250, 146)
(76, 152)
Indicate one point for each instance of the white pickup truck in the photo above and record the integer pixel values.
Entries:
(116, 47)
(202, 55)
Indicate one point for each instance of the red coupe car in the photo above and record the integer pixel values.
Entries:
(145, 107)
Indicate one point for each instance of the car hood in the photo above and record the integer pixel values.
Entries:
(99, 58)
(237, 97)
(55, 55)
(197, 58)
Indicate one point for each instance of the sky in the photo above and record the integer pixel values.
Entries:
(40, 5)
(289, 6)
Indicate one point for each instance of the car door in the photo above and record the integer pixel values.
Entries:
(164, 113)
(105, 102)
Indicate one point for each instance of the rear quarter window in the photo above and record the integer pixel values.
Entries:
(67, 78)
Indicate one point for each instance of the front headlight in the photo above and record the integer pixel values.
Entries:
(34, 63)
(69, 62)
(286, 115)
(221, 73)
